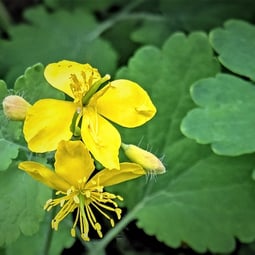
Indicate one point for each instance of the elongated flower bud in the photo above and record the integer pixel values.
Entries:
(146, 159)
(15, 107)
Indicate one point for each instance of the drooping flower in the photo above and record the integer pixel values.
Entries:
(121, 101)
(77, 190)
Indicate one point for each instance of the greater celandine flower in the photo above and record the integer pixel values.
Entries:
(124, 102)
(77, 189)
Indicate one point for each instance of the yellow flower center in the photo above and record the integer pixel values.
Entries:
(83, 89)
(84, 84)
(80, 88)
(85, 201)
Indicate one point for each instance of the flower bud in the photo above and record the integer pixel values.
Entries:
(146, 159)
(15, 107)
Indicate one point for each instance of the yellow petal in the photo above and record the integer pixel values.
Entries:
(101, 138)
(42, 174)
(125, 103)
(59, 75)
(73, 162)
(127, 171)
(47, 123)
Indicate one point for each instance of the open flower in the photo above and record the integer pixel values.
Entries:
(77, 189)
(124, 102)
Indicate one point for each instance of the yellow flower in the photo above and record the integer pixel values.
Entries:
(124, 102)
(77, 189)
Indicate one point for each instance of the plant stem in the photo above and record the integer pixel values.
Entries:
(98, 247)
(123, 15)
(5, 18)
(49, 233)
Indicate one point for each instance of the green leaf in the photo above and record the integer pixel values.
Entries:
(50, 37)
(235, 45)
(10, 136)
(167, 74)
(22, 200)
(204, 15)
(11, 131)
(225, 117)
(37, 244)
(152, 32)
(34, 86)
(85, 4)
(204, 200)
(8, 151)
(123, 45)
(3, 90)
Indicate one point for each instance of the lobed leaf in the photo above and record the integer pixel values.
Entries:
(167, 75)
(225, 117)
(37, 243)
(21, 204)
(204, 200)
(34, 86)
(8, 152)
(235, 45)
(10, 134)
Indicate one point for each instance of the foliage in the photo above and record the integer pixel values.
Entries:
(199, 72)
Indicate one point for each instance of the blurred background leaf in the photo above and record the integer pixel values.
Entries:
(204, 14)
(49, 37)
(85, 4)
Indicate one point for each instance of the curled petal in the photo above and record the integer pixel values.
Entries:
(101, 138)
(47, 123)
(42, 174)
(127, 171)
(124, 102)
(61, 75)
(73, 162)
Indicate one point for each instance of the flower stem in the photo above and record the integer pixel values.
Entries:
(98, 247)
(49, 233)
(123, 15)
